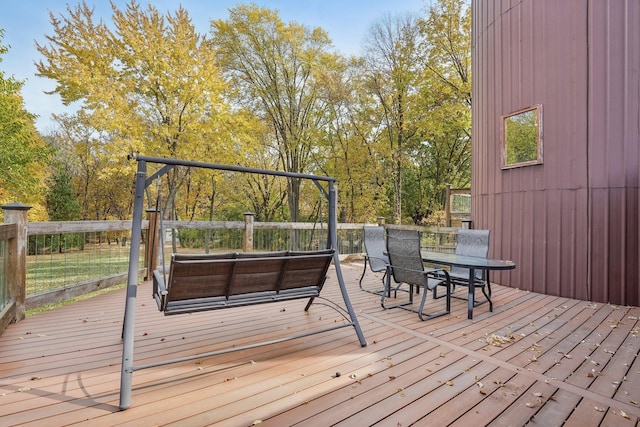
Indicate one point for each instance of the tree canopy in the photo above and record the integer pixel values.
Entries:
(393, 125)
(23, 153)
(150, 85)
(276, 70)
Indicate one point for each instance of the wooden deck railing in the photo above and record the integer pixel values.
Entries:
(12, 289)
(15, 298)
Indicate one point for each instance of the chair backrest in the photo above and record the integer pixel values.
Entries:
(471, 243)
(375, 247)
(403, 247)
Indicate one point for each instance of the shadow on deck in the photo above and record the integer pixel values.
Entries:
(536, 359)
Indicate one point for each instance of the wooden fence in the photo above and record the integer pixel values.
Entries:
(15, 234)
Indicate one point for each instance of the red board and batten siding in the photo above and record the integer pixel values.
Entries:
(570, 224)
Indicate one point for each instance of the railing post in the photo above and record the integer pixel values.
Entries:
(16, 213)
(247, 245)
(151, 245)
(447, 206)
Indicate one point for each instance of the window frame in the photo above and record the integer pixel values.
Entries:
(539, 138)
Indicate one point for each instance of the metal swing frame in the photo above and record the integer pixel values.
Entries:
(141, 183)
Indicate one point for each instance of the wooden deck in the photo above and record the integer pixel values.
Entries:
(537, 360)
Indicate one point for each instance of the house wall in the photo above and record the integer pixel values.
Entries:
(614, 156)
(571, 223)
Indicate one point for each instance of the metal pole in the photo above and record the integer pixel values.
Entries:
(333, 238)
(128, 329)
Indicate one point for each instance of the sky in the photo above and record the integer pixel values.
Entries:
(27, 21)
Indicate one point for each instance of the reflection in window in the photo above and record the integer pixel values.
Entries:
(522, 138)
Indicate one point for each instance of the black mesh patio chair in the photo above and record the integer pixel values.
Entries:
(406, 267)
(471, 243)
(375, 257)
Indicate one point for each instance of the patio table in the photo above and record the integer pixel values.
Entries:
(472, 263)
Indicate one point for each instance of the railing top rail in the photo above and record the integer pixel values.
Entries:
(60, 227)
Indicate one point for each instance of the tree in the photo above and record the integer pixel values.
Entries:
(23, 153)
(393, 71)
(79, 154)
(151, 85)
(354, 147)
(446, 97)
(274, 69)
(62, 204)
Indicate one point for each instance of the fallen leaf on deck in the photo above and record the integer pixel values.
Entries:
(499, 340)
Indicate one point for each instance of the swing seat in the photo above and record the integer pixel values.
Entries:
(216, 281)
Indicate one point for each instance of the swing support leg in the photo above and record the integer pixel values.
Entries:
(126, 374)
(333, 236)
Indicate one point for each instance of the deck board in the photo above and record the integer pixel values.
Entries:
(560, 361)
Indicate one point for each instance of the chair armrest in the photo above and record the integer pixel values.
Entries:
(434, 276)
(438, 275)
(384, 259)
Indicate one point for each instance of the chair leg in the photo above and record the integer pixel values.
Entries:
(364, 271)
(425, 316)
(435, 293)
(487, 295)
(386, 293)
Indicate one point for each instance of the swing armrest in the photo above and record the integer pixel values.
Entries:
(158, 283)
(160, 290)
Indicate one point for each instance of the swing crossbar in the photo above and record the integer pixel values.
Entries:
(217, 281)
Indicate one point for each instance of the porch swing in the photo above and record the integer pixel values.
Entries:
(202, 282)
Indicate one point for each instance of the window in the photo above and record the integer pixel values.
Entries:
(522, 138)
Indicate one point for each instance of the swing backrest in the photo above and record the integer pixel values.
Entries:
(205, 282)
